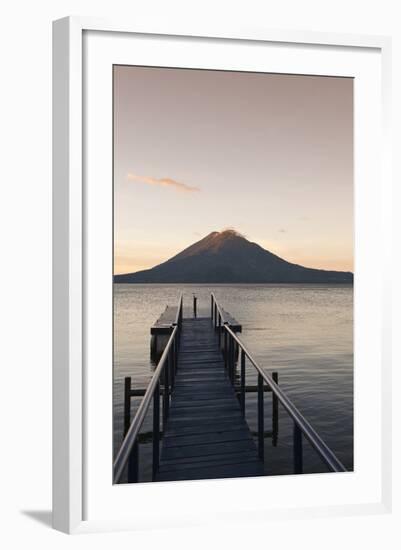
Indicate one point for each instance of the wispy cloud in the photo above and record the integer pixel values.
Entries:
(163, 182)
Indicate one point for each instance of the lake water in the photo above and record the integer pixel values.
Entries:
(304, 332)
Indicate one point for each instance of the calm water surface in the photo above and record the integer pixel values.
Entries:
(304, 332)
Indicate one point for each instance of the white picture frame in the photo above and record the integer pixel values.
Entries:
(70, 260)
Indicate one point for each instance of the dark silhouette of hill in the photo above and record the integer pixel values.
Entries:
(228, 257)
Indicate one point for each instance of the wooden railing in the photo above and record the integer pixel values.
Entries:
(229, 341)
(164, 374)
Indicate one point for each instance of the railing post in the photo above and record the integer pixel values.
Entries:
(171, 365)
(166, 394)
(127, 404)
(225, 349)
(211, 307)
(178, 336)
(175, 354)
(133, 464)
(242, 394)
(156, 431)
(219, 328)
(261, 428)
(230, 358)
(275, 413)
(233, 351)
(228, 355)
(195, 308)
(297, 442)
(176, 346)
(215, 315)
(133, 460)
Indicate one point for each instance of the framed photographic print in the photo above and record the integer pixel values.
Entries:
(220, 296)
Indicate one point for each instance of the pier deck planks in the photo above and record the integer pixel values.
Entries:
(206, 436)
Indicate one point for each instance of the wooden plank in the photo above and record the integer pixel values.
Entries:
(193, 348)
(250, 469)
(208, 449)
(207, 374)
(207, 461)
(215, 427)
(204, 409)
(184, 394)
(189, 406)
(202, 419)
(202, 439)
(195, 402)
(239, 456)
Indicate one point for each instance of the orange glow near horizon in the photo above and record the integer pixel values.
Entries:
(138, 257)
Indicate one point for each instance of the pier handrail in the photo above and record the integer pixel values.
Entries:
(132, 434)
(300, 421)
(178, 316)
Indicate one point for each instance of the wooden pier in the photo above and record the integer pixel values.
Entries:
(199, 429)
(206, 435)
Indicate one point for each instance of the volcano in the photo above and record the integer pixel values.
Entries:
(228, 257)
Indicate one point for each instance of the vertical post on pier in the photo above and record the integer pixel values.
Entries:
(297, 443)
(225, 349)
(166, 396)
(133, 461)
(127, 404)
(156, 431)
(175, 353)
(195, 307)
(229, 354)
(231, 358)
(215, 315)
(171, 365)
(242, 394)
(261, 427)
(275, 413)
(211, 307)
(219, 329)
(176, 346)
(133, 464)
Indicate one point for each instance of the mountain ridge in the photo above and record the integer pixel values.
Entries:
(228, 257)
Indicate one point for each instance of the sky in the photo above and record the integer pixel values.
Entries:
(197, 151)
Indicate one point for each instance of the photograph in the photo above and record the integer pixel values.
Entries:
(233, 274)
